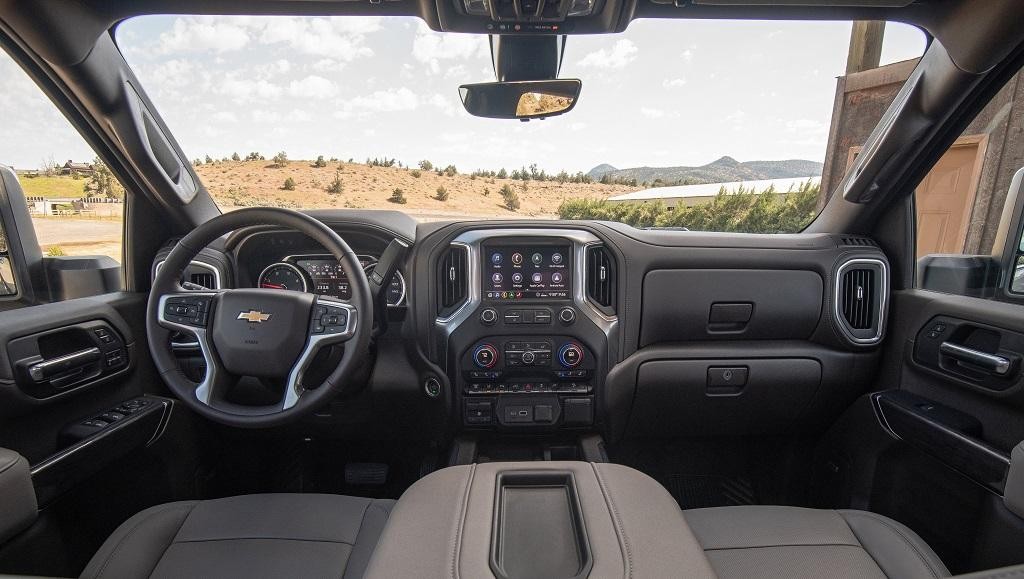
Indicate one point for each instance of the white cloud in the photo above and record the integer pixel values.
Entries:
(381, 101)
(299, 115)
(446, 105)
(687, 55)
(431, 48)
(312, 86)
(246, 90)
(621, 53)
(577, 126)
(204, 33)
(342, 39)
(673, 82)
(225, 117)
(652, 113)
(262, 116)
(806, 126)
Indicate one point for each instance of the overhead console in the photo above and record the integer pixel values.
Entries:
(524, 335)
(531, 17)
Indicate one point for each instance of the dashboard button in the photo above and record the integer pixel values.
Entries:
(488, 316)
(567, 316)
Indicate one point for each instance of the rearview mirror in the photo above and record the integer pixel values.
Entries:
(523, 100)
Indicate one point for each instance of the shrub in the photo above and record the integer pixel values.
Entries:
(426, 165)
(416, 173)
(487, 191)
(510, 197)
(209, 159)
(398, 196)
(55, 251)
(235, 157)
(442, 194)
(740, 210)
(280, 159)
(502, 174)
(289, 184)
(450, 171)
(254, 156)
(320, 162)
(197, 162)
(336, 187)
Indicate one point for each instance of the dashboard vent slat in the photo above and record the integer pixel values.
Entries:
(204, 279)
(600, 278)
(453, 277)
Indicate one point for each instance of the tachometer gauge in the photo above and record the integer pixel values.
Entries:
(283, 276)
(395, 293)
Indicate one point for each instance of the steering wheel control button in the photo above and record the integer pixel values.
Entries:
(334, 321)
(570, 355)
(187, 310)
(488, 316)
(485, 356)
(567, 316)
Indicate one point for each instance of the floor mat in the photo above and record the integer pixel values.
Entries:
(699, 491)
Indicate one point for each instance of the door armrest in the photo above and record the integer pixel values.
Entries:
(18, 508)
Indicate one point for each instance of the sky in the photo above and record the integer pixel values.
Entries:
(665, 92)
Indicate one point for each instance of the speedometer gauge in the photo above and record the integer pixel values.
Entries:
(283, 276)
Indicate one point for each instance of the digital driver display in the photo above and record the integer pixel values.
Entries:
(527, 272)
(328, 277)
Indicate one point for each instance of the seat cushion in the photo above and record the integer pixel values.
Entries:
(267, 535)
(791, 542)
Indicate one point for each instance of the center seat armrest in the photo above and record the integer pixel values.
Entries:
(552, 519)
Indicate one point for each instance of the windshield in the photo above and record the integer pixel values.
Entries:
(689, 124)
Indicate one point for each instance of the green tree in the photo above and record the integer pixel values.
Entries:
(102, 182)
(235, 157)
(510, 197)
(398, 196)
(289, 184)
(426, 165)
(280, 159)
(320, 162)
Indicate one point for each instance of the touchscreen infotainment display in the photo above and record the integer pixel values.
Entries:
(527, 272)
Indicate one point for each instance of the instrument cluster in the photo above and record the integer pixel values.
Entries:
(323, 275)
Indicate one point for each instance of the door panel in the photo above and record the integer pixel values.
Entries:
(945, 198)
(943, 425)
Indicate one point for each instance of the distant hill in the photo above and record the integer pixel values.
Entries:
(599, 171)
(722, 170)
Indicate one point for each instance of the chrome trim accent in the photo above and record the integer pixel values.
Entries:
(202, 391)
(199, 264)
(998, 365)
(37, 371)
(472, 241)
(883, 301)
(295, 268)
(293, 387)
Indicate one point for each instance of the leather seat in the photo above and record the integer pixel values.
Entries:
(269, 535)
(791, 542)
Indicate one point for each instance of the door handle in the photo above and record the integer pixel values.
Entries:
(998, 365)
(42, 371)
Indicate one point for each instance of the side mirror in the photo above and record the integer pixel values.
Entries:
(523, 100)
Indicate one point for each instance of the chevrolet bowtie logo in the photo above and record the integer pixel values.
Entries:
(253, 316)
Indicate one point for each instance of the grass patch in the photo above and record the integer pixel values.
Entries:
(53, 187)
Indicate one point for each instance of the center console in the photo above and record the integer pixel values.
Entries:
(528, 349)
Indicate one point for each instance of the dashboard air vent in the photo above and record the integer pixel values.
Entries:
(601, 278)
(453, 279)
(205, 279)
(854, 241)
(861, 288)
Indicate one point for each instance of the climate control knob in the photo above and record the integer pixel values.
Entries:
(567, 315)
(485, 356)
(570, 355)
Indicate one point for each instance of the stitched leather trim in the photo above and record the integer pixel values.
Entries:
(138, 525)
(627, 551)
(461, 522)
(885, 523)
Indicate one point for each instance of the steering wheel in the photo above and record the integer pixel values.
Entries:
(262, 333)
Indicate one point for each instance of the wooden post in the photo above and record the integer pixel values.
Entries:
(865, 45)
